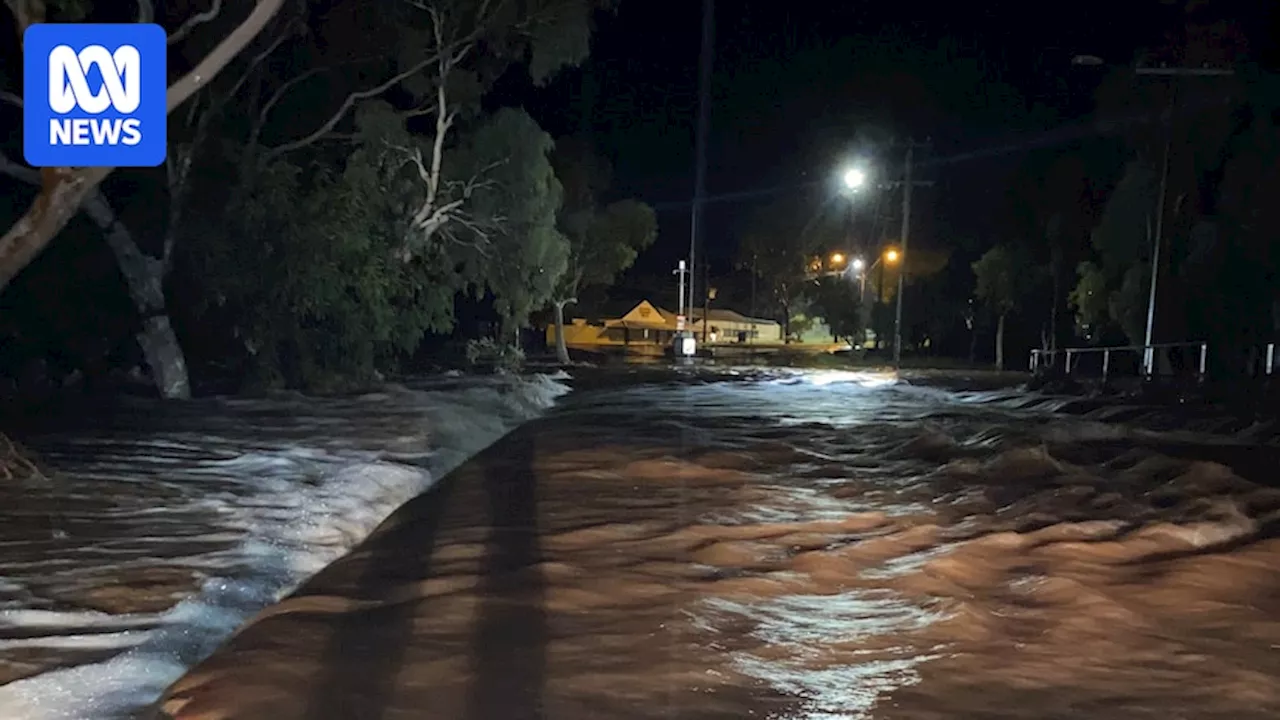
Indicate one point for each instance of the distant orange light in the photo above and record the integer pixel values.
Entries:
(891, 256)
(837, 258)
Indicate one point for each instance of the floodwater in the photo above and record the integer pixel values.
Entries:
(796, 546)
(164, 527)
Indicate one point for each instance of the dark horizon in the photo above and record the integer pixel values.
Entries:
(1023, 143)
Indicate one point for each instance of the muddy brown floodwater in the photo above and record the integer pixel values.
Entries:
(794, 546)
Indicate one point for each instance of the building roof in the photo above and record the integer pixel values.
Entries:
(729, 316)
(645, 314)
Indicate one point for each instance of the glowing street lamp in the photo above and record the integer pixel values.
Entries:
(889, 256)
(837, 258)
(854, 179)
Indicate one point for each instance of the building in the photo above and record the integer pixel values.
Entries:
(649, 329)
(726, 327)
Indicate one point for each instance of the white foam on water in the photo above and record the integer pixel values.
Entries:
(292, 507)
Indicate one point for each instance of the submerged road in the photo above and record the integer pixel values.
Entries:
(795, 546)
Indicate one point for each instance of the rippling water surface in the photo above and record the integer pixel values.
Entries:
(794, 546)
(167, 526)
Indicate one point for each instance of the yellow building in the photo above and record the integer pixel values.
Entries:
(649, 329)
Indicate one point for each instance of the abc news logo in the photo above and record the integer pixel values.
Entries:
(94, 95)
(69, 89)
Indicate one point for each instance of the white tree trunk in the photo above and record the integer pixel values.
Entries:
(144, 277)
(64, 189)
(1000, 342)
(562, 350)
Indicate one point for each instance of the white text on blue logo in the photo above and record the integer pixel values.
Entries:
(69, 90)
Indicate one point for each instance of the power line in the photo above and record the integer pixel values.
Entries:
(1049, 138)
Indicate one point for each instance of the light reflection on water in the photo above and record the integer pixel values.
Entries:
(796, 546)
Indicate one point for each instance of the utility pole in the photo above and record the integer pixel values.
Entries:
(908, 183)
(1148, 352)
(902, 269)
(706, 300)
(704, 127)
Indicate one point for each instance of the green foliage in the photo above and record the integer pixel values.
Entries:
(883, 315)
(584, 173)
(489, 353)
(521, 257)
(777, 246)
(309, 268)
(313, 268)
(1003, 278)
(617, 234)
(835, 300)
(1127, 305)
(801, 324)
(559, 36)
(545, 36)
(1091, 298)
(1112, 291)
(602, 241)
(335, 260)
(1123, 235)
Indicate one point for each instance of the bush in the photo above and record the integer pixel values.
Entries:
(486, 352)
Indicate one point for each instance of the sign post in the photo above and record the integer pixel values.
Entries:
(684, 343)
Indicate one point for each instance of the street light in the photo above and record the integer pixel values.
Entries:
(860, 266)
(890, 256)
(837, 258)
(854, 179)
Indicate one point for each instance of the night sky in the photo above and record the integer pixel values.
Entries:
(794, 81)
(797, 89)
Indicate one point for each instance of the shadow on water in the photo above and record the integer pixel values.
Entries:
(509, 641)
(380, 636)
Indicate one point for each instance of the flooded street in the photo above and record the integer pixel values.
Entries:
(797, 546)
(164, 527)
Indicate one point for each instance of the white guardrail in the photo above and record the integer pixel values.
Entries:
(1146, 360)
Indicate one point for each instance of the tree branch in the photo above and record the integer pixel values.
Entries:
(64, 189)
(146, 13)
(18, 171)
(255, 130)
(258, 59)
(342, 111)
(27, 13)
(224, 53)
(195, 21)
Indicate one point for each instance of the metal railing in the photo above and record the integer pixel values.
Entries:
(1071, 356)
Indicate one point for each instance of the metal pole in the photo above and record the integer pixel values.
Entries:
(1148, 354)
(902, 269)
(680, 270)
(704, 127)
(851, 251)
(706, 301)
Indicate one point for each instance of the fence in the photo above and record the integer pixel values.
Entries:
(1144, 354)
